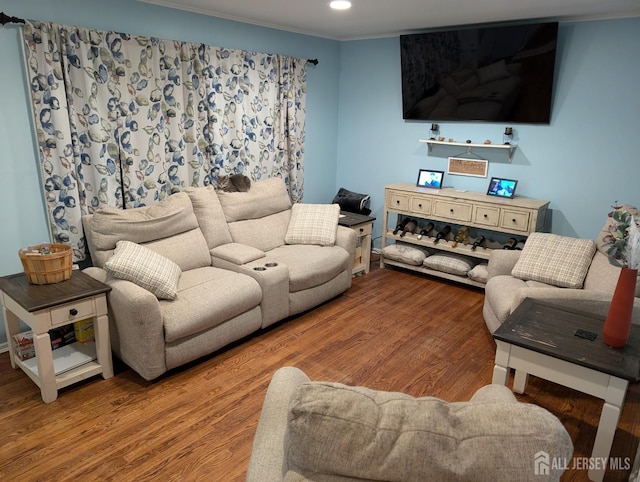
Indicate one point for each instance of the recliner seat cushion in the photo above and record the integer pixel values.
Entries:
(310, 265)
(206, 298)
(335, 431)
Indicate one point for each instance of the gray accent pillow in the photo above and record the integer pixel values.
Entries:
(405, 253)
(555, 260)
(146, 268)
(450, 263)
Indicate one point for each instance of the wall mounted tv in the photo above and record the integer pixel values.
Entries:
(494, 74)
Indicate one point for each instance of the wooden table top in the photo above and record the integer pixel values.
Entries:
(572, 336)
(39, 297)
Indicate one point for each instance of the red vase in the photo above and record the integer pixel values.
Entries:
(617, 326)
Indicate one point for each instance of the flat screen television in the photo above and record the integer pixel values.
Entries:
(495, 74)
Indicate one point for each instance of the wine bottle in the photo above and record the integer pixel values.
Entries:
(461, 236)
(426, 230)
(410, 227)
(510, 244)
(442, 233)
(520, 244)
(401, 225)
(477, 242)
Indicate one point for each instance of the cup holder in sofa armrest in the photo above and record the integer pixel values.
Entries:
(270, 264)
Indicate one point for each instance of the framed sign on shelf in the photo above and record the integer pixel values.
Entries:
(468, 167)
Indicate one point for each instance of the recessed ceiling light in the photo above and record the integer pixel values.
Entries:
(340, 4)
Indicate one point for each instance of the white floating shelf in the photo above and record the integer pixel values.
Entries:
(504, 147)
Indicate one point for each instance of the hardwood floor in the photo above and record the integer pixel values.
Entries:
(393, 330)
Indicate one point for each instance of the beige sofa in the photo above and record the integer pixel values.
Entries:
(568, 272)
(333, 432)
(235, 272)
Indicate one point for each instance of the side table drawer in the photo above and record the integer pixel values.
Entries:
(453, 211)
(363, 229)
(70, 312)
(486, 215)
(398, 201)
(517, 220)
(420, 205)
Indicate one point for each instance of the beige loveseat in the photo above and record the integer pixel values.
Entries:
(325, 431)
(568, 272)
(235, 271)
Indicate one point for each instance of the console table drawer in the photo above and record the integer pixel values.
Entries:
(487, 216)
(420, 205)
(516, 220)
(399, 201)
(452, 210)
(79, 310)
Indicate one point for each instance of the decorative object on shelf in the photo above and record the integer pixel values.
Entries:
(440, 139)
(462, 166)
(487, 141)
(478, 242)
(435, 129)
(461, 236)
(623, 245)
(442, 234)
(426, 230)
(508, 135)
(410, 227)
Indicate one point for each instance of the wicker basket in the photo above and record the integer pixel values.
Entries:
(44, 269)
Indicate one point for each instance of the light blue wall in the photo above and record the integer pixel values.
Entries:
(356, 137)
(22, 214)
(582, 162)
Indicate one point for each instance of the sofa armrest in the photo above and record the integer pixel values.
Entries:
(346, 238)
(267, 456)
(589, 301)
(135, 325)
(501, 262)
(237, 253)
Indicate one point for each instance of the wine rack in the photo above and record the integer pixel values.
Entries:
(518, 217)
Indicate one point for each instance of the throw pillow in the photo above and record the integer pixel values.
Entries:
(450, 263)
(405, 253)
(480, 273)
(313, 224)
(146, 268)
(555, 260)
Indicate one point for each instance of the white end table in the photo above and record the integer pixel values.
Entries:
(43, 307)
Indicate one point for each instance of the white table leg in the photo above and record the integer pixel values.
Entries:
(520, 381)
(44, 359)
(103, 345)
(12, 327)
(611, 409)
(501, 367)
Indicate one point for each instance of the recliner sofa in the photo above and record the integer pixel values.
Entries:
(238, 273)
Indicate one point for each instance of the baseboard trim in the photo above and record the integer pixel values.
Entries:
(4, 347)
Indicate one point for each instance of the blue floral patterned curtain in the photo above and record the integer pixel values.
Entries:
(124, 121)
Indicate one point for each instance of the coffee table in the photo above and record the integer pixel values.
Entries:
(566, 347)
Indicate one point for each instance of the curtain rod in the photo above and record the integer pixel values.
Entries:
(4, 19)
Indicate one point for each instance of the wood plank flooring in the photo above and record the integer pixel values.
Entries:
(393, 330)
